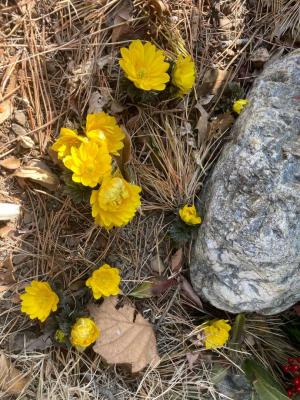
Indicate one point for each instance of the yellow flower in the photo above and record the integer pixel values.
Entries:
(66, 140)
(216, 334)
(115, 203)
(39, 300)
(104, 282)
(102, 127)
(183, 75)
(83, 333)
(239, 105)
(189, 215)
(144, 65)
(89, 163)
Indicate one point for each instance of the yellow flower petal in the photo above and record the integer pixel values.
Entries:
(189, 215)
(65, 141)
(183, 75)
(89, 163)
(144, 65)
(83, 333)
(101, 127)
(115, 203)
(104, 282)
(39, 300)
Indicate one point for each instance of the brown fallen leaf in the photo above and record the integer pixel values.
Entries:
(5, 110)
(39, 172)
(7, 272)
(10, 163)
(188, 290)
(157, 264)
(121, 27)
(4, 288)
(97, 101)
(6, 230)
(160, 7)
(220, 124)
(6, 106)
(125, 155)
(202, 123)
(192, 358)
(213, 80)
(12, 381)
(126, 151)
(177, 260)
(124, 338)
(297, 309)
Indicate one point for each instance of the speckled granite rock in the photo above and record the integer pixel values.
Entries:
(247, 254)
(235, 387)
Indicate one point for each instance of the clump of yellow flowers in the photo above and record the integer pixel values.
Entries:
(145, 66)
(114, 201)
(40, 300)
(216, 333)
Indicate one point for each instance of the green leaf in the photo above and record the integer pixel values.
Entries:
(237, 332)
(154, 287)
(181, 232)
(268, 392)
(257, 372)
(218, 374)
(142, 291)
(77, 192)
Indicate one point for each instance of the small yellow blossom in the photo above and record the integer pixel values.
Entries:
(59, 336)
(83, 333)
(189, 215)
(183, 75)
(66, 140)
(105, 282)
(115, 203)
(144, 65)
(239, 105)
(102, 127)
(216, 334)
(39, 300)
(89, 163)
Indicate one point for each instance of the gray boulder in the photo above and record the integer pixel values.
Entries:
(247, 253)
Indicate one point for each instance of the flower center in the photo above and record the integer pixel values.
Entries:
(141, 73)
(116, 193)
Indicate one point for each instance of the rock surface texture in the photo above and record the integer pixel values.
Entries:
(247, 253)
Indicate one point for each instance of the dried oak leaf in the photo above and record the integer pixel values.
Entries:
(12, 381)
(124, 338)
(177, 260)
